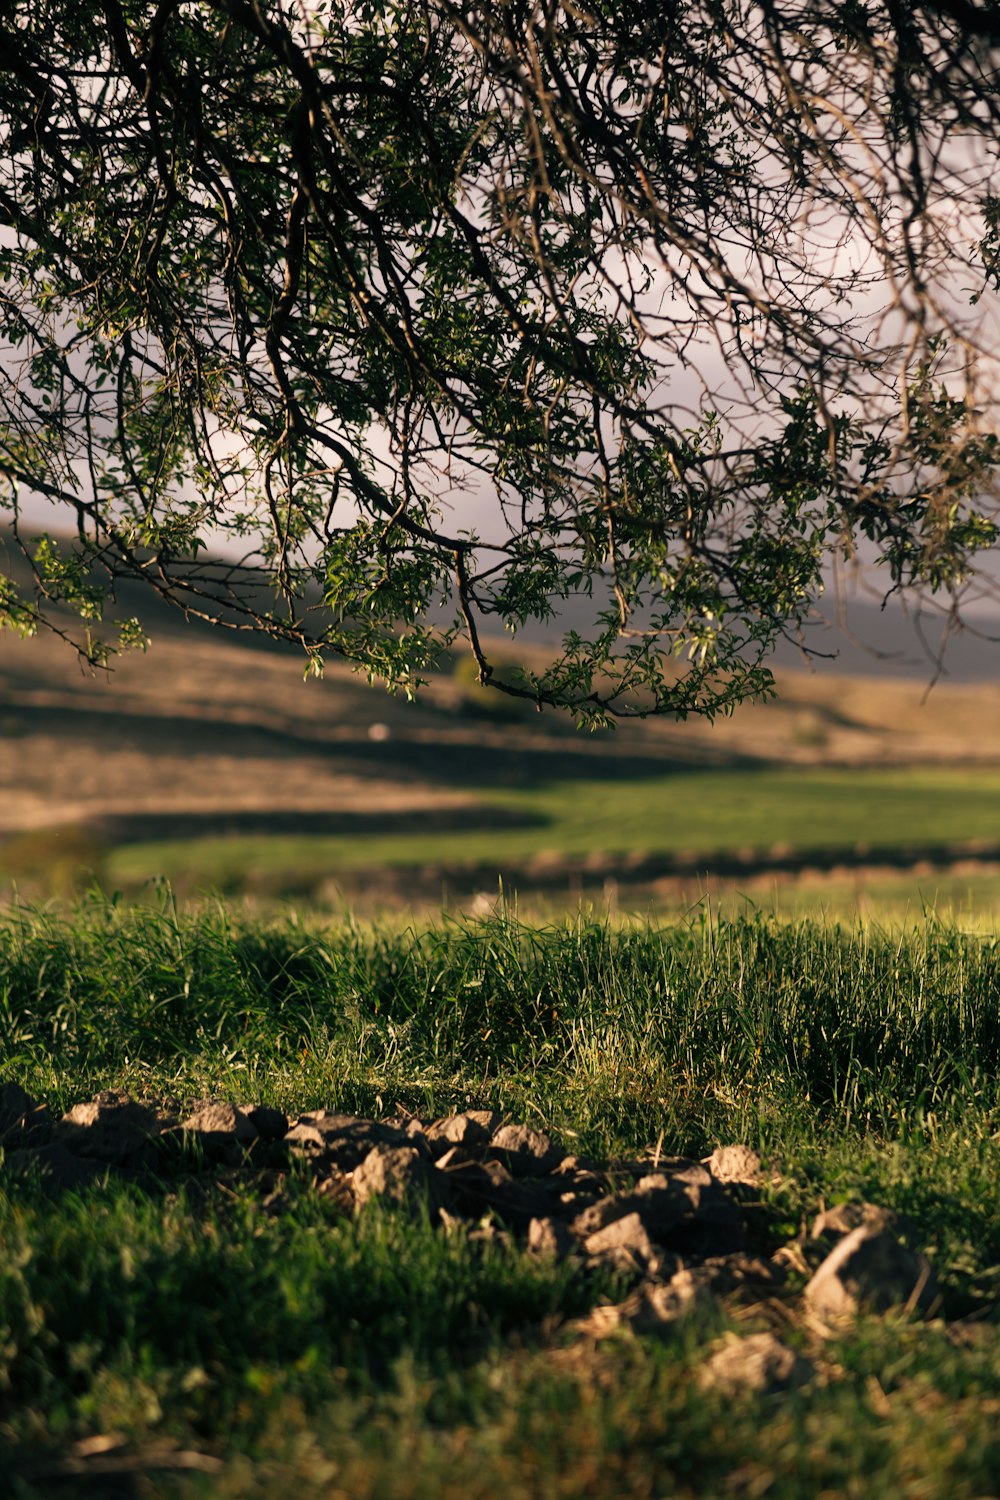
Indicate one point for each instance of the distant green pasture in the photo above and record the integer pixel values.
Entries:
(705, 813)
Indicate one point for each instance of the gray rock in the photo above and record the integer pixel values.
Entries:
(457, 1130)
(626, 1241)
(270, 1124)
(870, 1271)
(395, 1174)
(14, 1105)
(112, 1128)
(56, 1166)
(659, 1203)
(527, 1152)
(746, 1276)
(694, 1175)
(482, 1187)
(550, 1237)
(220, 1129)
(759, 1362)
(656, 1308)
(341, 1140)
(684, 1209)
(22, 1121)
(735, 1164)
(835, 1222)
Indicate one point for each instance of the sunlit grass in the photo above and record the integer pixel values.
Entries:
(312, 1354)
(708, 814)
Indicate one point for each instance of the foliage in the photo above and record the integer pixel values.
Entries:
(437, 316)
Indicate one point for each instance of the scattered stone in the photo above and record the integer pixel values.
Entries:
(457, 1130)
(744, 1276)
(625, 1241)
(550, 1237)
(735, 1164)
(22, 1120)
(527, 1152)
(220, 1129)
(56, 1166)
(835, 1222)
(14, 1105)
(685, 1211)
(396, 1174)
(270, 1124)
(759, 1362)
(871, 1271)
(692, 1176)
(341, 1140)
(112, 1128)
(678, 1224)
(660, 1207)
(480, 1187)
(656, 1308)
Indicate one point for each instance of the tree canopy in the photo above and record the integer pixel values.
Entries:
(377, 325)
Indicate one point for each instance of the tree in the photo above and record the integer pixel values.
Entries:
(442, 314)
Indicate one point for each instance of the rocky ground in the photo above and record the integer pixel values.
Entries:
(682, 1232)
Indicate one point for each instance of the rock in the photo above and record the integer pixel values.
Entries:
(759, 1362)
(694, 1176)
(55, 1164)
(835, 1222)
(747, 1276)
(652, 1309)
(660, 1206)
(112, 1128)
(458, 1130)
(735, 1164)
(870, 1271)
(582, 1172)
(713, 1224)
(341, 1140)
(220, 1129)
(600, 1323)
(22, 1121)
(655, 1308)
(626, 1241)
(686, 1211)
(14, 1105)
(527, 1152)
(480, 1187)
(550, 1237)
(270, 1124)
(395, 1174)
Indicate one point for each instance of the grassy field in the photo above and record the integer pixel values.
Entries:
(212, 763)
(305, 1353)
(683, 813)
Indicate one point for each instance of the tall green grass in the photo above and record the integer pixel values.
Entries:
(311, 1354)
(695, 1029)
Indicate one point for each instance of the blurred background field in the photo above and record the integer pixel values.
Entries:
(210, 763)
